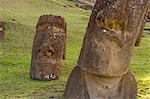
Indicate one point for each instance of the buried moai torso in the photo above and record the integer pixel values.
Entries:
(1, 30)
(48, 48)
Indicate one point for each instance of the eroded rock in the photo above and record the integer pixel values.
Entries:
(84, 4)
(48, 48)
(2, 31)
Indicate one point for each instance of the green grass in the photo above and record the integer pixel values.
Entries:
(15, 50)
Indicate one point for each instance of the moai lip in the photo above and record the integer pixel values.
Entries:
(102, 71)
(48, 48)
(2, 31)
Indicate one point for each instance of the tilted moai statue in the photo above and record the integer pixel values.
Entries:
(2, 31)
(140, 34)
(48, 48)
(102, 71)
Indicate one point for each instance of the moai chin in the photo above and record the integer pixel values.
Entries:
(48, 48)
(102, 71)
(2, 31)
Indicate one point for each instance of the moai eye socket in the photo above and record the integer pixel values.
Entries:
(39, 50)
(49, 50)
(50, 53)
(44, 53)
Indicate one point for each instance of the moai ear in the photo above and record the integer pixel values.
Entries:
(48, 48)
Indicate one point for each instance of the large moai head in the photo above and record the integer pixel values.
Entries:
(2, 32)
(111, 37)
(48, 47)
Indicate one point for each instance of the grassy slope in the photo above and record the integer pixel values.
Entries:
(15, 50)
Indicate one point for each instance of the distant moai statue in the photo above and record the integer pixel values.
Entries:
(48, 48)
(102, 70)
(2, 31)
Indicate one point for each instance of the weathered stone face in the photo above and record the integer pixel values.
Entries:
(110, 39)
(48, 48)
(2, 31)
(102, 71)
